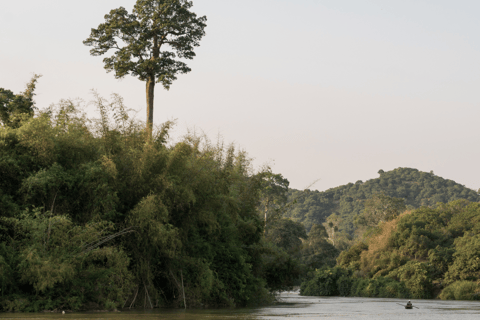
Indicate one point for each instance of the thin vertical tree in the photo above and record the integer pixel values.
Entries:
(149, 43)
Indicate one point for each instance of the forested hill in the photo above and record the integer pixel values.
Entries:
(416, 187)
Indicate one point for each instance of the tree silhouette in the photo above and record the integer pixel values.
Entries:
(149, 42)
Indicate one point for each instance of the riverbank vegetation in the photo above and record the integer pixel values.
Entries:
(423, 253)
(94, 215)
(110, 212)
(97, 213)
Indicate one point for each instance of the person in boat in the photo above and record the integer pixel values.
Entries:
(409, 304)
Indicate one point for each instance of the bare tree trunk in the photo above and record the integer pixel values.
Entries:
(266, 212)
(150, 92)
(150, 89)
(183, 290)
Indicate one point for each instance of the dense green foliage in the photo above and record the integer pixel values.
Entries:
(461, 290)
(94, 215)
(13, 106)
(416, 255)
(317, 251)
(338, 281)
(344, 206)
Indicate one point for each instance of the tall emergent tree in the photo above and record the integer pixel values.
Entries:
(273, 197)
(149, 42)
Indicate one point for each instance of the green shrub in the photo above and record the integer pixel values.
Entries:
(110, 305)
(341, 282)
(381, 287)
(393, 289)
(461, 290)
(324, 282)
(344, 285)
(358, 287)
(466, 261)
(417, 278)
(14, 304)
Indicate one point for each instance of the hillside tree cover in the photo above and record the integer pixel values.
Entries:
(353, 206)
(424, 253)
(150, 43)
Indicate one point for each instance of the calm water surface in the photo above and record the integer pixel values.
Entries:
(293, 306)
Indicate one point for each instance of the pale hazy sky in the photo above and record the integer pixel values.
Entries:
(321, 89)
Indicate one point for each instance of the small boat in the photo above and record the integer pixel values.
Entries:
(408, 306)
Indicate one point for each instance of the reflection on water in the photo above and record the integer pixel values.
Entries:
(293, 306)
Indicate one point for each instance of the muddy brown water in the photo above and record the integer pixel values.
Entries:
(292, 306)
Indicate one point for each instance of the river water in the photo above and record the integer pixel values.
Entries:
(292, 306)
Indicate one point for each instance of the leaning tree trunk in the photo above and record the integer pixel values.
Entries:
(150, 90)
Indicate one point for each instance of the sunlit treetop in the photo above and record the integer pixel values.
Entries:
(150, 40)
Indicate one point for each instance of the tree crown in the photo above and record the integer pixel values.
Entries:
(149, 41)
